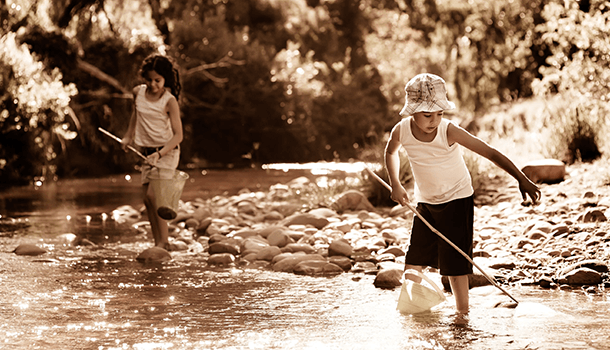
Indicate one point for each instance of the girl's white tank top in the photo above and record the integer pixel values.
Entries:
(153, 127)
(439, 170)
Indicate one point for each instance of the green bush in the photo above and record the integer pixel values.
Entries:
(577, 129)
(34, 115)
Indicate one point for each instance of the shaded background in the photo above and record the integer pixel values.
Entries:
(268, 81)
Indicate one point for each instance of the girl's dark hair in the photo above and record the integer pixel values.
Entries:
(165, 67)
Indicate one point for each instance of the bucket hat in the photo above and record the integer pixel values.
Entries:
(426, 93)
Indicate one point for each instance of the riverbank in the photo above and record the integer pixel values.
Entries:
(562, 242)
(88, 282)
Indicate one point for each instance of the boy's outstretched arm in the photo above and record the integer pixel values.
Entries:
(392, 164)
(473, 143)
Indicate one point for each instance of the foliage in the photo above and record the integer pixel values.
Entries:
(488, 51)
(579, 129)
(34, 109)
(292, 93)
(580, 47)
(395, 49)
(335, 110)
(301, 80)
(234, 98)
(578, 70)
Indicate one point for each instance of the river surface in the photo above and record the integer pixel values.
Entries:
(102, 298)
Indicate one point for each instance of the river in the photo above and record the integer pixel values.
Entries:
(102, 298)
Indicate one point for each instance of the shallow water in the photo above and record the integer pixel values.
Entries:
(92, 298)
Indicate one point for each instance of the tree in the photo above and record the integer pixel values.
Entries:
(34, 113)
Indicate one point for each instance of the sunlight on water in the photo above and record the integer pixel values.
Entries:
(323, 168)
(100, 297)
(112, 302)
(535, 310)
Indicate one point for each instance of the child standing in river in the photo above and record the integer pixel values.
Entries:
(443, 187)
(156, 128)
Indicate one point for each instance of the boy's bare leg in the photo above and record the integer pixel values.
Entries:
(459, 287)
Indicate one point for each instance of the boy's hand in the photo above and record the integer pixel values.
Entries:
(527, 187)
(399, 195)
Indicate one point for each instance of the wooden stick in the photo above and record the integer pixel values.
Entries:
(120, 141)
(489, 278)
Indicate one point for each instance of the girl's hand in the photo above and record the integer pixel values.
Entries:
(527, 187)
(399, 195)
(153, 158)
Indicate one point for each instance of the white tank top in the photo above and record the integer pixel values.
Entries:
(439, 170)
(153, 127)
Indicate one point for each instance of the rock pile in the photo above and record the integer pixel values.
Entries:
(562, 242)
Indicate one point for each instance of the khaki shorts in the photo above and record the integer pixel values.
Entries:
(168, 161)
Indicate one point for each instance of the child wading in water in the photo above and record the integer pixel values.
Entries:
(156, 128)
(443, 187)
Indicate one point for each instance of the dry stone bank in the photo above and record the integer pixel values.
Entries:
(562, 242)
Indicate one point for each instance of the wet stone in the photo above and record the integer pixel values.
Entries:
(29, 250)
(581, 276)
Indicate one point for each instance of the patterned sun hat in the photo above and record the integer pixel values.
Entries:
(426, 93)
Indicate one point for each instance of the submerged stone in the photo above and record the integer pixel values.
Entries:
(154, 254)
(29, 250)
(388, 278)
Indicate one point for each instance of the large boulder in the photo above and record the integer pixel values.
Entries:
(340, 247)
(545, 171)
(324, 212)
(581, 276)
(154, 254)
(29, 249)
(593, 264)
(593, 215)
(388, 278)
(223, 247)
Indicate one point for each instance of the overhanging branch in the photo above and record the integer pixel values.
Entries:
(99, 74)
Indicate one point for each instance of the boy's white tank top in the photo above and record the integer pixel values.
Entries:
(439, 170)
(153, 127)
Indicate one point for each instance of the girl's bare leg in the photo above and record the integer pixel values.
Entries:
(459, 287)
(158, 226)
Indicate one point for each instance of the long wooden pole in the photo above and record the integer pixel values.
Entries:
(120, 141)
(489, 278)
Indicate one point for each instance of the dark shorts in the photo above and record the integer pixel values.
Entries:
(454, 220)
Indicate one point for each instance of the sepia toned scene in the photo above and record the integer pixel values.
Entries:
(304, 174)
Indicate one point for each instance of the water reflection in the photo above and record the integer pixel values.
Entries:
(100, 297)
(110, 301)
